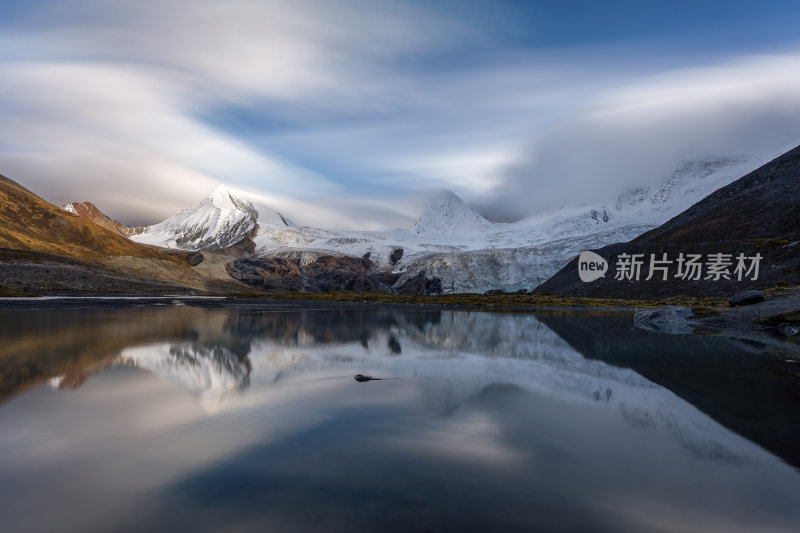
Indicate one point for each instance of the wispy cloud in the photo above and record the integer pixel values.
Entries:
(639, 131)
(105, 102)
(359, 108)
(112, 133)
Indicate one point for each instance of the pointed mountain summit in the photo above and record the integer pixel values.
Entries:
(223, 198)
(450, 216)
(221, 220)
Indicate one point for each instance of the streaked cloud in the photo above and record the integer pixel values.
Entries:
(352, 113)
(638, 132)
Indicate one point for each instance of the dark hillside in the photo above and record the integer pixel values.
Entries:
(757, 214)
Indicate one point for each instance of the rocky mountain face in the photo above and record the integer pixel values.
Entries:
(756, 217)
(327, 273)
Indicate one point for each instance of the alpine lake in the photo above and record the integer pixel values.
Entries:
(212, 416)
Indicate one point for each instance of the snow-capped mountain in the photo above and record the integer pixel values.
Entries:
(450, 242)
(524, 254)
(449, 217)
(476, 255)
(448, 225)
(219, 221)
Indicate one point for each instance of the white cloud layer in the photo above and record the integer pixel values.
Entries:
(637, 133)
(360, 110)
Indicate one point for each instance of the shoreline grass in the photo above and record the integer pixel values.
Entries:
(7, 293)
(496, 300)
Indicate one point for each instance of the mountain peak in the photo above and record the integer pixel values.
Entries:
(89, 211)
(219, 221)
(450, 216)
(221, 197)
(451, 196)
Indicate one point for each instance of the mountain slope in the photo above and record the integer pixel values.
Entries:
(219, 221)
(764, 204)
(29, 223)
(756, 214)
(89, 211)
(46, 248)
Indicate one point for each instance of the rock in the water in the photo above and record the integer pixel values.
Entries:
(746, 298)
(670, 319)
(787, 329)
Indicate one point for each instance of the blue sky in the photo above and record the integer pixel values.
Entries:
(357, 113)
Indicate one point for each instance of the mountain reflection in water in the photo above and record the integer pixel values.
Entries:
(249, 419)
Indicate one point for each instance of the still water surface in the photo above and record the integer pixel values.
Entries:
(244, 419)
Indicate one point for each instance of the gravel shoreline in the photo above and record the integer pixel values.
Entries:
(752, 317)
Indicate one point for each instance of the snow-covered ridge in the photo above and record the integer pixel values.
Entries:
(450, 241)
(448, 225)
(219, 221)
(453, 241)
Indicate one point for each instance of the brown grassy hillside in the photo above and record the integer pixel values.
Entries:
(90, 211)
(29, 223)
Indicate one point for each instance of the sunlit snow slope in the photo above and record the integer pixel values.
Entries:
(218, 221)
